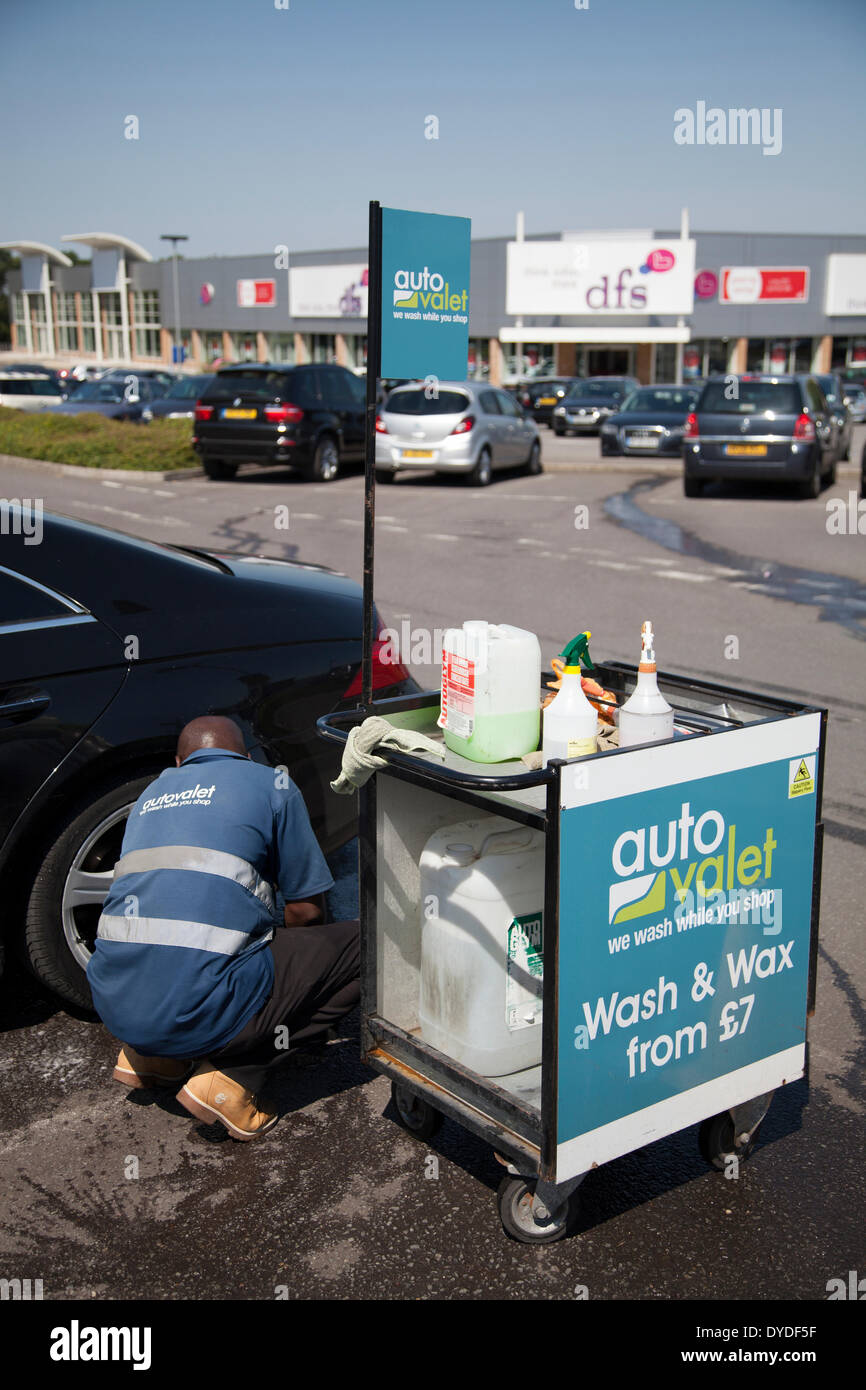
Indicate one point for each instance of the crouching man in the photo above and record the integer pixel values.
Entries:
(192, 970)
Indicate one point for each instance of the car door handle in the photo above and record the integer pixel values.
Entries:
(32, 704)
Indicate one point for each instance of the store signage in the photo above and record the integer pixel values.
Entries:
(706, 284)
(257, 294)
(684, 990)
(596, 276)
(751, 284)
(425, 294)
(328, 291)
(846, 285)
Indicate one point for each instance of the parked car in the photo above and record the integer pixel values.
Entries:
(180, 398)
(651, 421)
(761, 428)
(109, 646)
(467, 428)
(835, 396)
(114, 397)
(855, 397)
(541, 397)
(29, 391)
(590, 402)
(310, 418)
(159, 382)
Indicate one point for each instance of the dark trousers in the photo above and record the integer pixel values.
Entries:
(316, 983)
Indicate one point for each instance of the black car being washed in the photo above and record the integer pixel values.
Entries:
(310, 418)
(109, 646)
(763, 429)
(651, 421)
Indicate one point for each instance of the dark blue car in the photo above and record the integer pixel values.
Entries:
(651, 421)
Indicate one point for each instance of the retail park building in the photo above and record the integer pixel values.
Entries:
(649, 303)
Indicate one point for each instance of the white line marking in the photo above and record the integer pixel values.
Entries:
(441, 536)
(614, 565)
(686, 575)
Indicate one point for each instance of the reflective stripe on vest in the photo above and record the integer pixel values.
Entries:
(206, 861)
(166, 931)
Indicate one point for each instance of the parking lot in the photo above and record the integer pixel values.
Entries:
(111, 1194)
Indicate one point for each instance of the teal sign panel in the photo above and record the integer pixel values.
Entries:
(425, 295)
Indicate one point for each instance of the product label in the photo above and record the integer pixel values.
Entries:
(580, 747)
(524, 972)
(457, 712)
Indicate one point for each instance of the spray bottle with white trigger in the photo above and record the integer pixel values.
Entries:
(646, 717)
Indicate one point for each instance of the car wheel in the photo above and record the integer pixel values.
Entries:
(533, 465)
(482, 472)
(66, 897)
(385, 475)
(692, 487)
(558, 431)
(326, 461)
(218, 469)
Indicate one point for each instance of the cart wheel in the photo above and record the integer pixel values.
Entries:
(415, 1114)
(514, 1200)
(717, 1141)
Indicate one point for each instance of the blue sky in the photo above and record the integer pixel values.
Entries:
(261, 126)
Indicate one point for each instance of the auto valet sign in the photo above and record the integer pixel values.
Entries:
(600, 276)
(425, 295)
(683, 974)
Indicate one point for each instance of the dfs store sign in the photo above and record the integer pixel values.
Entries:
(600, 276)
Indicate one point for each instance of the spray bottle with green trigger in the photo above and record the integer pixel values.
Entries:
(570, 721)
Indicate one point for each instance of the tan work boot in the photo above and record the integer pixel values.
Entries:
(211, 1095)
(140, 1073)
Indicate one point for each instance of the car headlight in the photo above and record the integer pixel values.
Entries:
(560, 410)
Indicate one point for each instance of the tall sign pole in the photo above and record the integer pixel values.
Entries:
(374, 367)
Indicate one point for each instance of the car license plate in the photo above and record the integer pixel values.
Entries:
(239, 414)
(547, 400)
(746, 450)
(417, 453)
(643, 441)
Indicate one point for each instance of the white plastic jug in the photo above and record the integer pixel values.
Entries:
(482, 891)
(491, 678)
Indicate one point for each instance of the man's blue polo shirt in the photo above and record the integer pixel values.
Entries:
(181, 960)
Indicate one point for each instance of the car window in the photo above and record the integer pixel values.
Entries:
(815, 396)
(660, 398)
(14, 388)
(356, 389)
(22, 603)
(415, 402)
(752, 398)
(589, 390)
(508, 406)
(489, 402)
(303, 387)
(240, 382)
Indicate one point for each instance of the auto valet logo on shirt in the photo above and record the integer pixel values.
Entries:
(192, 796)
(705, 863)
(426, 294)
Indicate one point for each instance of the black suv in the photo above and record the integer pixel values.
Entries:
(310, 418)
(761, 428)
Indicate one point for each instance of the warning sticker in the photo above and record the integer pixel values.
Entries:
(524, 978)
(801, 776)
(457, 713)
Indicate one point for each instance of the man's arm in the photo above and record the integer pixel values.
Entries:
(305, 912)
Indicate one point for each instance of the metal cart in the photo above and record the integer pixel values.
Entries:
(680, 927)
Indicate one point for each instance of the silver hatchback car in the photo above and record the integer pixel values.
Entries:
(463, 427)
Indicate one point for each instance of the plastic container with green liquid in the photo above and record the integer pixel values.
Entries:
(491, 679)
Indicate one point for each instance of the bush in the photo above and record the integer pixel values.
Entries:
(92, 441)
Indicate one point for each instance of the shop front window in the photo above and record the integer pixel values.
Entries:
(243, 347)
(324, 347)
(281, 347)
(478, 364)
(356, 352)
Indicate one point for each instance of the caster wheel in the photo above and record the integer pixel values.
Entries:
(515, 1200)
(717, 1141)
(415, 1114)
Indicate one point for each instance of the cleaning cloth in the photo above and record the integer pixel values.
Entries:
(359, 760)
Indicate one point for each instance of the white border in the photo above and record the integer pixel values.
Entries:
(668, 764)
(677, 1112)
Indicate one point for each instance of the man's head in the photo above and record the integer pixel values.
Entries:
(209, 731)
